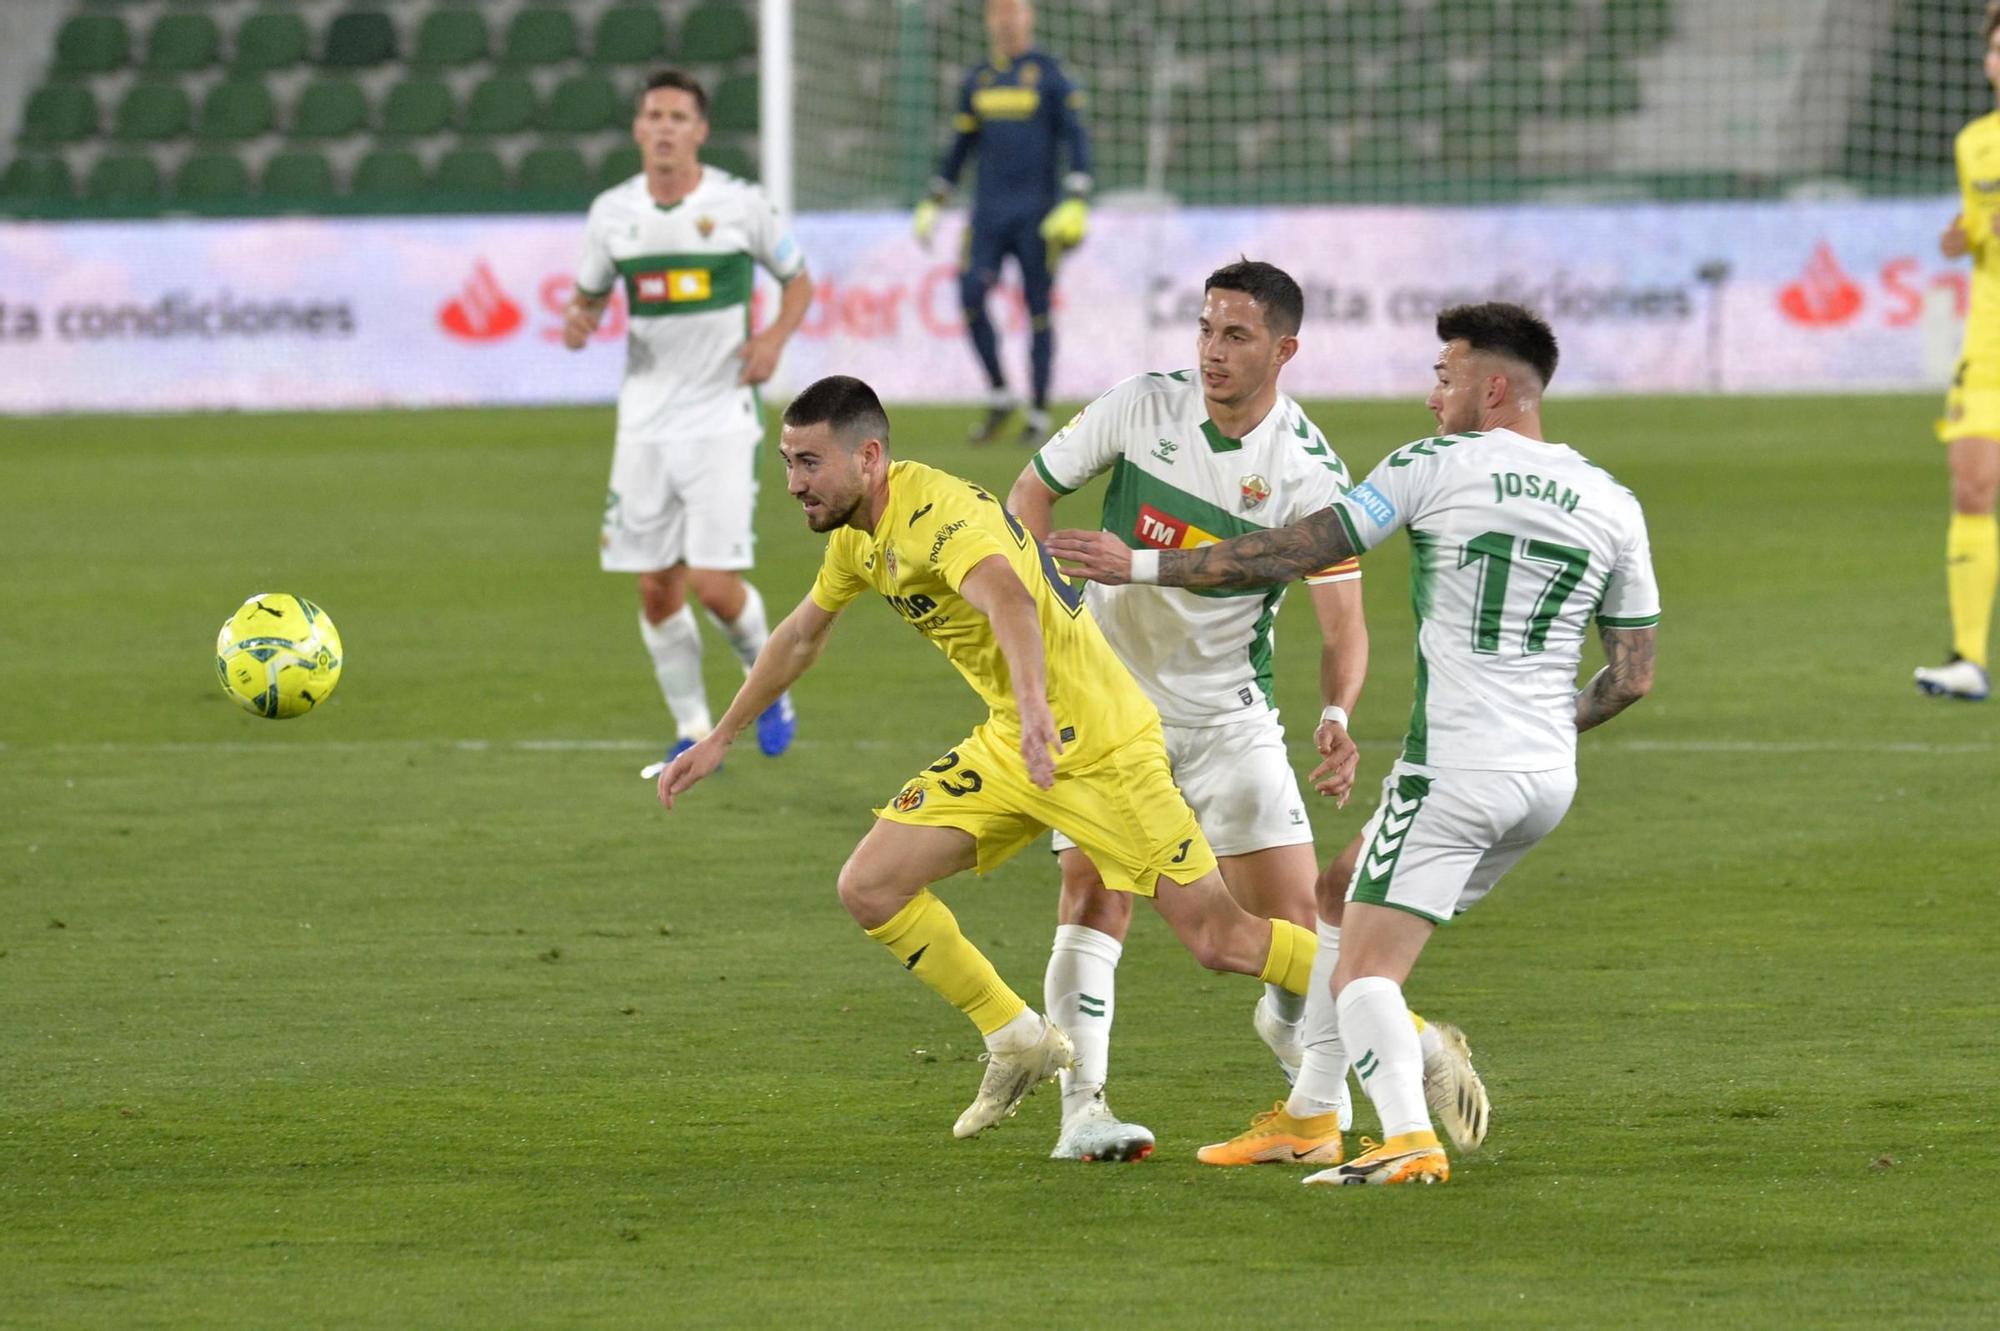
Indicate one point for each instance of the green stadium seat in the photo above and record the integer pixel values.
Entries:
(183, 42)
(540, 36)
(212, 175)
(716, 32)
(629, 35)
(735, 106)
(470, 171)
(1634, 27)
(298, 173)
(59, 113)
(503, 104)
(1597, 87)
(416, 107)
(330, 108)
(123, 177)
(1541, 26)
(619, 165)
(389, 171)
(152, 113)
(449, 38)
(236, 109)
(92, 44)
(1375, 26)
(45, 178)
(270, 39)
(554, 170)
(584, 104)
(735, 158)
(358, 39)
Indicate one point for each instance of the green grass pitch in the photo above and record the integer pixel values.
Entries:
(418, 1011)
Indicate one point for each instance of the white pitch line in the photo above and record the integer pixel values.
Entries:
(1714, 746)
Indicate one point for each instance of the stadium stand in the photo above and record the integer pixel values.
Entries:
(241, 106)
(1194, 101)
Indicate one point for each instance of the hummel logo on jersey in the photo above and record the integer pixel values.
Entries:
(1165, 450)
(919, 513)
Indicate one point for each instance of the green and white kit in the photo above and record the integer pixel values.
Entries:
(683, 474)
(1204, 658)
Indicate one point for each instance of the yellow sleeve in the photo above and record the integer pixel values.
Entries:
(969, 529)
(1972, 213)
(839, 580)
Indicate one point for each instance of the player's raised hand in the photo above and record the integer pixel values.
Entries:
(688, 768)
(1953, 244)
(1334, 777)
(760, 357)
(1040, 743)
(1096, 555)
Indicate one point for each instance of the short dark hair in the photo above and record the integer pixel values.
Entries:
(1503, 329)
(1992, 20)
(675, 78)
(846, 405)
(1270, 286)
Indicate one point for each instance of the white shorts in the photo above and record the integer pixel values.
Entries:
(1442, 837)
(687, 502)
(1238, 779)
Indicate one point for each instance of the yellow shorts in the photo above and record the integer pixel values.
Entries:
(1123, 810)
(1972, 404)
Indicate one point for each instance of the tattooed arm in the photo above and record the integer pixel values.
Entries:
(1254, 559)
(1627, 676)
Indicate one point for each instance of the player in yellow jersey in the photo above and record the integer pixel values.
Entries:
(1070, 740)
(1971, 424)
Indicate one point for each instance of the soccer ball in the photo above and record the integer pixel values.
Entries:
(278, 656)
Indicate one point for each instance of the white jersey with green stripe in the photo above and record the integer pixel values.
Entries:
(688, 275)
(1203, 657)
(1516, 545)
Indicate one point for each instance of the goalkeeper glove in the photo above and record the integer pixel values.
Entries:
(924, 221)
(1063, 228)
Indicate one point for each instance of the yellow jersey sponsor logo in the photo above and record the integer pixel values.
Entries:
(1006, 103)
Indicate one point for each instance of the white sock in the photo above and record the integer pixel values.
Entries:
(1322, 1084)
(1079, 990)
(1017, 1034)
(1000, 399)
(1430, 1042)
(1289, 1006)
(748, 632)
(1375, 1020)
(675, 643)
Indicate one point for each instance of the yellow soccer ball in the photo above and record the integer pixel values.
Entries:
(278, 656)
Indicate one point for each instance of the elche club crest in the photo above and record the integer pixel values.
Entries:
(1255, 491)
(705, 225)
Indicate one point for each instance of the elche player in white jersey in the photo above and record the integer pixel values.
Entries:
(1517, 545)
(684, 240)
(1194, 457)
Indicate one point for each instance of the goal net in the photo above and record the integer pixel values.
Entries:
(1449, 101)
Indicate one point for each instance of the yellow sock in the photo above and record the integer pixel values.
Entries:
(1417, 1022)
(1971, 573)
(1290, 961)
(924, 937)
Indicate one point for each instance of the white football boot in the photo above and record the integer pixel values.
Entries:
(1956, 678)
(1285, 1040)
(1010, 1077)
(1452, 1089)
(1095, 1133)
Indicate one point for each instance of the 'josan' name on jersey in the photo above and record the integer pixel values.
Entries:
(688, 275)
(1177, 482)
(1515, 546)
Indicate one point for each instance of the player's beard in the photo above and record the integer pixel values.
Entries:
(830, 518)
